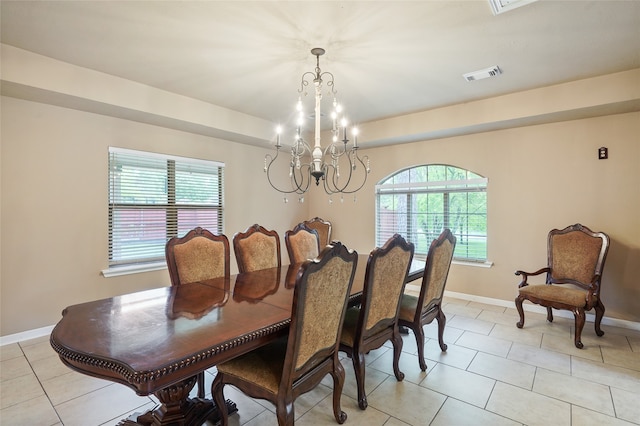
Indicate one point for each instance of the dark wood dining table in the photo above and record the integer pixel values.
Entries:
(157, 341)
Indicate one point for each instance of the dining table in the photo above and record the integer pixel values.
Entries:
(157, 341)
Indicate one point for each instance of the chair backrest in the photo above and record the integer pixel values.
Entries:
(320, 300)
(302, 243)
(198, 255)
(436, 271)
(323, 227)
(576, 255)
(257, 248)
(384, 283)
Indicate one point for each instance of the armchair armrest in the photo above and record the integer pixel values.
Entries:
(526, 275)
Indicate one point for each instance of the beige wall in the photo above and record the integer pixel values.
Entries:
(54, 205)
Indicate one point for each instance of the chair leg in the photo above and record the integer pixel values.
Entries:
(359, 367)
(599, 314)
(419, 334)
(285, 411)
(201, 385)
(442, 321)
(217, 393)
(396, 340)
(580, 317)
(519, 301)
(338, 383)
(549, 314)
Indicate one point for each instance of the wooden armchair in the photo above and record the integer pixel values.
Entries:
(415, 312)
(197, 256)
(369, 325)
(256, 248)
(281, 371)
(302, 243)
(323, 227)
(575, 259)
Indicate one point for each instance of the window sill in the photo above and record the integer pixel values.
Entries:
(117, 271)
(485, 264)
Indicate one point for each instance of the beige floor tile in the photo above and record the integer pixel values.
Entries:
(373, 378)
(504, 370)
(627, 404)
(528, 407)
(470, 324)
(248, 408)
(20, 389)
(507, 318)
(487, 307)
(322, 414)
(487, 344)
(544, 358)
(12, 350)
(576, 391)
(71, 385)
(450, 334)
(14, 367)
(38, 350)
(621, 357)
(97, 407)
(605, 374)
(408, 365)
(34, 412)
(566, 345)
(395, 422)
(37, 340)
(265, 418)
(515, 334)
(455, 412)
(582, 417)
(406, 401)
(49, 367)
(459, 384)
(540, 324)
(455, 356)
(456, 309)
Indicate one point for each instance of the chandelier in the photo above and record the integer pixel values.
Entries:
(338, 167)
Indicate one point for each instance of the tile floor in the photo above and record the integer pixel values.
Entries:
(492, 374)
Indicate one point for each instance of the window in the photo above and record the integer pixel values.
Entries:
(421, 201)
(154, 197)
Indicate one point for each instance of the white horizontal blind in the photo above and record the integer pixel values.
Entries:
(154, 197)
(420, 202)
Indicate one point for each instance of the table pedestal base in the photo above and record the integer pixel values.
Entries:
(178, 409)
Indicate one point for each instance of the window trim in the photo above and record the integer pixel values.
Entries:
(123, 268)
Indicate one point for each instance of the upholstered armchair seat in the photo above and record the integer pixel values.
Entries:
(559, 294)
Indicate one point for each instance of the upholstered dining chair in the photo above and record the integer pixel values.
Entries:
(575, 262)
(257, 248)
(302, 243)
(375, 321)
(323, 227)
(416, 312)
(197, 256)
(281, 371)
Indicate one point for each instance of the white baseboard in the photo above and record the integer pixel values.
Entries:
(45, 331)
(26, 335)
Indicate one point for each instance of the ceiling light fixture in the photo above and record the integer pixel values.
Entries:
(318, 164)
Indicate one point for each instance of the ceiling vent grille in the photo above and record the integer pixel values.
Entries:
(480, 74)
(501, 6)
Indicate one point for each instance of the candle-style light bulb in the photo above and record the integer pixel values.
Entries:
(354, 131)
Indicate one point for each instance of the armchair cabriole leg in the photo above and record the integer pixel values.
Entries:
(599, 314)
(519, 301)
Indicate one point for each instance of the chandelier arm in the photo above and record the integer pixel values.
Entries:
(268, 162)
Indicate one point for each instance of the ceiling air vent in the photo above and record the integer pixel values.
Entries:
(501, 6)
(485, 73)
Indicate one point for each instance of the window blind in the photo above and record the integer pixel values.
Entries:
(154, 197)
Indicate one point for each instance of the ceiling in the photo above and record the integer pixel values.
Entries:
(388, 57)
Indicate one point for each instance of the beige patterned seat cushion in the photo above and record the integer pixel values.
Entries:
(557, 293)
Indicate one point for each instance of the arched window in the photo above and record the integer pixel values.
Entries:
(419, 202)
